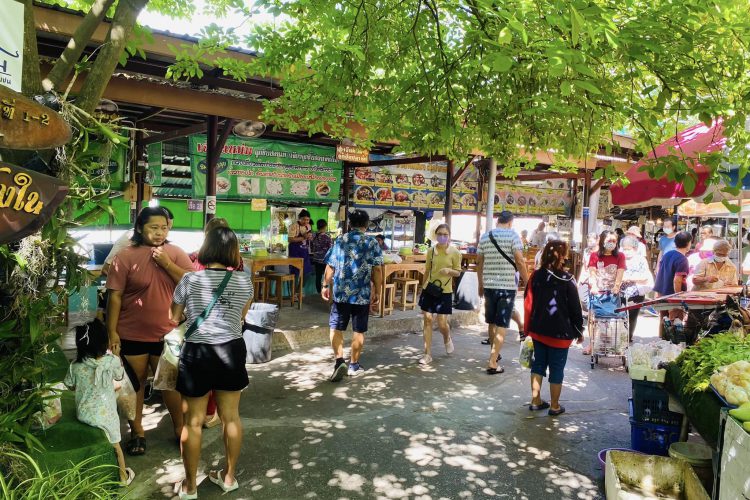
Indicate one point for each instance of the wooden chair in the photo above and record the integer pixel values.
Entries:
(389, 298)
(260, 287)
(406, 284)
(278, 293)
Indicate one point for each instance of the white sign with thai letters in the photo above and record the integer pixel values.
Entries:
(11, 44)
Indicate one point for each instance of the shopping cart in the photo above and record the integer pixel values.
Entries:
(609, 330)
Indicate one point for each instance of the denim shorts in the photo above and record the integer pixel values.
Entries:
(341, 313)
(498, 306)
(552, 357)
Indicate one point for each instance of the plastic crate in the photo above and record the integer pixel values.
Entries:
(652, 439)
(651, 404)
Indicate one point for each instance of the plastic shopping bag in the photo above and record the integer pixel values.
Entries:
(51, 407)
(527, 352)
(126, 397)
(165, 378)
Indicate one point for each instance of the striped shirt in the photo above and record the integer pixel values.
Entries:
(224, 323)
(497, 272)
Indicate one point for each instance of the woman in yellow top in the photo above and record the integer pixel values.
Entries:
(443, 264)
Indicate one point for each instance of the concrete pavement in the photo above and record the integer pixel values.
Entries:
(445, 431)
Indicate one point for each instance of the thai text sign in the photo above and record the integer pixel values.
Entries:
(26, 124)
(352, 154)
(275, 170)
(420, 186)
(11, 44)
(27, 201)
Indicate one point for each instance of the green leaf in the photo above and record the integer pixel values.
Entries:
(587, 85)
(689, 183)
(566, 88)
(501, 63)
(505, 36)
(576, 24)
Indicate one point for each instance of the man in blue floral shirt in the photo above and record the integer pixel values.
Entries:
(353, 267)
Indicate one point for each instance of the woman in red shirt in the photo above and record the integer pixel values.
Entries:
(553, 320)
(606, 268)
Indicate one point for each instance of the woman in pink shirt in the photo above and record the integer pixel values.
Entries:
(141, 282)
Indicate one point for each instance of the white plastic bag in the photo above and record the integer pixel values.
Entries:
(126, 398)
(527, 352)
(51, 407)
(165, 378)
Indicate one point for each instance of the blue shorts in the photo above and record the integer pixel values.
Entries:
(552, 357)
(341, 312)
(498, 306)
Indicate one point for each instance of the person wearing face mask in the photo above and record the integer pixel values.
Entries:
(442, 265)
(666, 241)
(141, 283)
(637, 279)
(672, 275)
(606, 268)
(592, 246)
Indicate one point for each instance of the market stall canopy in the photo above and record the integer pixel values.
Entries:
(692, 208)
(643, 191)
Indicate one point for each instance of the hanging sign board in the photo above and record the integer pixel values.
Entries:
(27, 201)
(195, 205)
(26, 124)
(258, 204)
(154, 155)
(11, 44)
(210, 204)
(260, 168)
(352, 154)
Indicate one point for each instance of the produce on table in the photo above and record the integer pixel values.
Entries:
(653, 354)
(699, 362)
(746, 426)
(733, 382)
(742, 413)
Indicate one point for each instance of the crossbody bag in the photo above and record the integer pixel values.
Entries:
(512, 262)
(432, 289)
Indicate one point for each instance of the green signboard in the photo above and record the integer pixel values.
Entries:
(107, 165)
(154, 154)
(260, 168)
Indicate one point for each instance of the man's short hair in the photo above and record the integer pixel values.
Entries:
(682, 239)
(505, 217)
(359, 219)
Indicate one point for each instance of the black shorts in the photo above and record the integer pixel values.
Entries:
(212, 367)
(341, 312)
(138, 348)
(436, 305)
(498, 306)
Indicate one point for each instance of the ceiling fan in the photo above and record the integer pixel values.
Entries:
(249, 129)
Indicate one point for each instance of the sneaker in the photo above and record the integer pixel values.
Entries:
(355, 370)
(649, 311)
(449, 347)
(339, 372)
(425, 359)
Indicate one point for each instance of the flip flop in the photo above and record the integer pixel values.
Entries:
(183, 495)
(486, 342)
(495, 371)
(542, 406)
(559, 411)
(215, 477)
(136, 446)
(129, 477)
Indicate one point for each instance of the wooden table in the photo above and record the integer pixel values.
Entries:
(389, 269)
(257, 264)
(700, 299)
(414, 258)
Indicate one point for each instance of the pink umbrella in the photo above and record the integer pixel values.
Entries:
(643, 191)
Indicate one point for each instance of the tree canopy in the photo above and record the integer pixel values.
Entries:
(454, 76)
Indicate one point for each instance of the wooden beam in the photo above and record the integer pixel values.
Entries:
(461, 170)
(407, 161)
(598, 185)
(149, 113)
(198, 128)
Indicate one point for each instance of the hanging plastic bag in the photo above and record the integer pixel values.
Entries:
(165, 378)
(126, 394)
(527, 352)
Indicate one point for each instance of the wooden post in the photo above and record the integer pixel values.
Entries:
(449, 192)
(586, 209)
(491, 181)
(345, 195)
(212, 158)
(138, 174)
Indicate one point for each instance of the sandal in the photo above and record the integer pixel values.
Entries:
(554, 413)
(129, 477)
(184, 495)
(495, 371)
(215, 477)
(136, 446)
(486, 342)
(542, 406)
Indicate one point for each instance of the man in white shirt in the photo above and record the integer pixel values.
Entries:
(499, 258)
(539, 237)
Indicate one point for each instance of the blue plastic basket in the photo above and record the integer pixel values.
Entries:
(653, 439)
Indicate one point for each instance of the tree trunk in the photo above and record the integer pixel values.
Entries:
(106, 60)
(62, 68)
(31, 83)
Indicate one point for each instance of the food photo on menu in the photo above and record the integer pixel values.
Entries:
(364, 174)
(322, 189)
(403, 180)
(364, 194)
(401, 197)
(223, 185)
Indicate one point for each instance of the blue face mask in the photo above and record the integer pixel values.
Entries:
(443, 239)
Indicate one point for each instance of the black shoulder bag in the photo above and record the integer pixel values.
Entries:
(433, 290)
(512, 262)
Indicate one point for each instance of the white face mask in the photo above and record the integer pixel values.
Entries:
(610, 246)
(719, 259)
(668, 230)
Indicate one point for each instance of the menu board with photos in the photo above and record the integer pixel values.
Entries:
(551, 198)
(418, 186)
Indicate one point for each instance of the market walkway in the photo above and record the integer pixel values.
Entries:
(402, 431)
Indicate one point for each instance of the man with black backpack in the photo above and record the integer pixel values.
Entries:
(500, 260)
